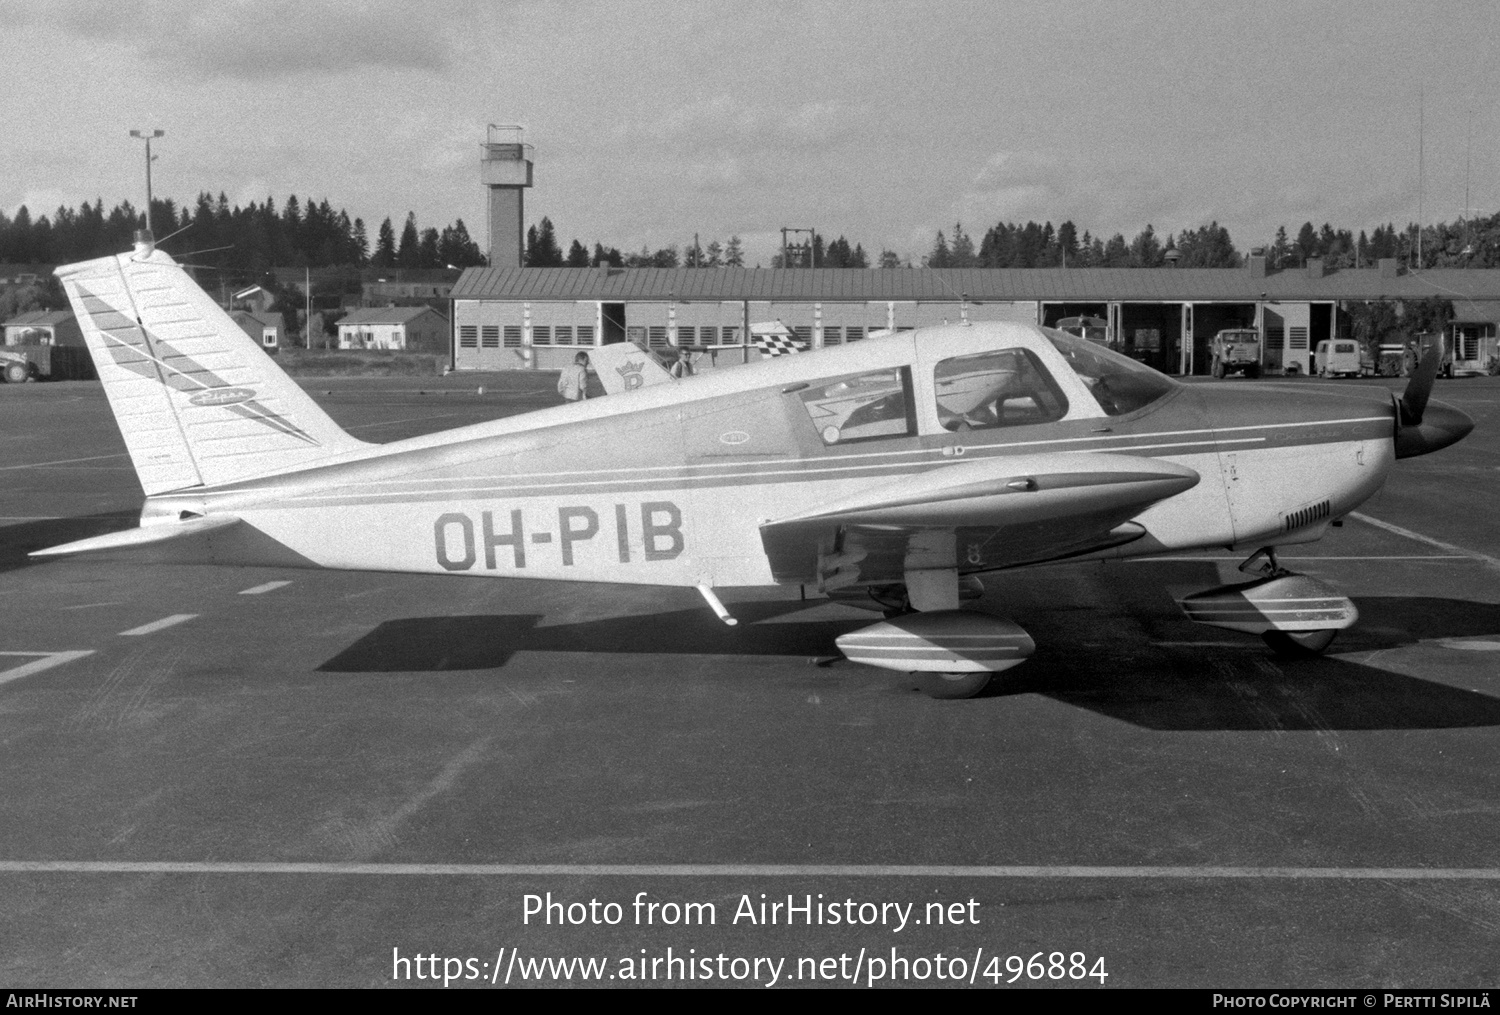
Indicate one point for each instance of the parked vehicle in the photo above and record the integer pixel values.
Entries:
(1093, 329)
(1236, 350)
(20, 363)
(1395, 360)
(35, 362)
(1338, 358)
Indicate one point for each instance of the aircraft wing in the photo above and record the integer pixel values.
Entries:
(975, 515)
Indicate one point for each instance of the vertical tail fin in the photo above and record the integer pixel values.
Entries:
(196, 400)
(624, 366)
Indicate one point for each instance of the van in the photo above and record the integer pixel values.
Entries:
(1337, 358)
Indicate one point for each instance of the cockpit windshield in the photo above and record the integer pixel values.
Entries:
(1119, 384)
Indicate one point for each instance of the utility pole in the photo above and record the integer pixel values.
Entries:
(787, 248)
(307, 315)
(148, 136)
(1421, 109)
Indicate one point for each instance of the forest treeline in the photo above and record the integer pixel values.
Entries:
(247, 240)
(1474, 243)
(250, 239)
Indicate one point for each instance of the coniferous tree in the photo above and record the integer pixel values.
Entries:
(359, 247)
(385, 246)
(542, 250)
(408, 254)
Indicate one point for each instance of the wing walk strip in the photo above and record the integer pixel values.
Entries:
(709, 870)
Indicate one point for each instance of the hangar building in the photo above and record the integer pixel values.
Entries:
(537, 318)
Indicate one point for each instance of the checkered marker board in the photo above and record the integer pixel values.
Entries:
(777, 345)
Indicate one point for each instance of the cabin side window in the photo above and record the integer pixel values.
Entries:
(861, 407)
(1003, 387)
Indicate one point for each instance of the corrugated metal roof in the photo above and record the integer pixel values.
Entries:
(1076, 285)
(43, 317)
(267, 319)
(386, 315)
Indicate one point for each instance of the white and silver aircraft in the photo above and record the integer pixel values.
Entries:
(891, 472)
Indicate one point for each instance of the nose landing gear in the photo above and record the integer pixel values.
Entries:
(1293, 614)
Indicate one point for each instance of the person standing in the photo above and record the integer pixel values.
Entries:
(573, 383)
(683, 367)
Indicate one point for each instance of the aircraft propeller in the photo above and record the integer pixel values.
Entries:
(1421, 427)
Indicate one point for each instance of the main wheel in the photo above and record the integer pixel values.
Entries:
(16, 373)
(952, 685)
(1299, 643)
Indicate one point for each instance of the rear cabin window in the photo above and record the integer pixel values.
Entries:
(1118, 383)
(1005, 387)
(862, 407)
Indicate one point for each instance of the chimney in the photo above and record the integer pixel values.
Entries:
(1314, 267)
(1389, 267)
(1257, 265)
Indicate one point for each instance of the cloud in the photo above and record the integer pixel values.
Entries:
(726, 121)
(1105, 195)
(260, 40)
(39, 202)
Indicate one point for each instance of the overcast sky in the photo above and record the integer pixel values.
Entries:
(880, 121)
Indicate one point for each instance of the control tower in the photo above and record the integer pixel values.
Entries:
(505, 168)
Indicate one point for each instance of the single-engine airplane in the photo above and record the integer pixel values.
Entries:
(891, 473)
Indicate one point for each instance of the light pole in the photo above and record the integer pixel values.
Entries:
(148, 136)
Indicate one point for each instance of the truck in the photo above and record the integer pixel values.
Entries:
(20, 363)
(1236, 350)
(27, 362)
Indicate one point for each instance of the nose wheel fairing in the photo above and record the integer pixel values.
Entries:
(1294, 614)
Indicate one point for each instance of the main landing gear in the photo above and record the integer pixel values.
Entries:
(1294, 614)
(952, 652)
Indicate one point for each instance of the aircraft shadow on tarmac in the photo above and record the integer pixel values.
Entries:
(16, 541)
(1212, 689)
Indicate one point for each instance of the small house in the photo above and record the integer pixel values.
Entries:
(413, 329)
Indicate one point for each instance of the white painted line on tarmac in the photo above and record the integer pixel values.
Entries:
(1282, 556)
(157, 625)
(46, 662)
(263, 589)
(1483, 558)
(60, 461)
(1470, 646)
(713, 870)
